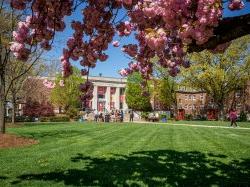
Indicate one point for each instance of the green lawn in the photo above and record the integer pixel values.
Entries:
(127, 155)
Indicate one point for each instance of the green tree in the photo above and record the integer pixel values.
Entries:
(134, 98)
(220, 74)
(68, 96)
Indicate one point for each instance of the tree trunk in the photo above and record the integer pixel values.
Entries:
(2, 105)
(221, 112)
(175, 111)
(13, 120)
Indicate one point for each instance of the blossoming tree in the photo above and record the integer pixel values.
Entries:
(167, 29)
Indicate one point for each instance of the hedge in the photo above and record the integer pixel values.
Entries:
(55, 119)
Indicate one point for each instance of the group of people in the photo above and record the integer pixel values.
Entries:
(112, 116)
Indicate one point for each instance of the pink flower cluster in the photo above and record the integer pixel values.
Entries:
(51, 85)
(87, 89)
(90, 39)
(47, 18)
(165, 28)
(21, 36)
(236, 5)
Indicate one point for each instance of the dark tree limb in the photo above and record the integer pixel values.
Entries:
(228, 30)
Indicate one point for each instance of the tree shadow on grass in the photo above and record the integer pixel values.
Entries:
(3, 177)
(152, 168)
(55, 134)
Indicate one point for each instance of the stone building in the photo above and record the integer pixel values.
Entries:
(109, 93)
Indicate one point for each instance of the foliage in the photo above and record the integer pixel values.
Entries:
(67, 96)
(55, 119)
(243, 116)
(36, 109)
(72, 112)
(144, 115)
(163, 116)
(220, 74)
(134, 98)
(188, 117)
(20, 119)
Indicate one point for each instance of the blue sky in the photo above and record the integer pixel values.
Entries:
(117, 60)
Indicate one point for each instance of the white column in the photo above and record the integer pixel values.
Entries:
(125, 106)
(117, 98)
(94, 100)
(107, 98)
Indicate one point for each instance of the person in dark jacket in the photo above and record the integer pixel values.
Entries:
(131, 116)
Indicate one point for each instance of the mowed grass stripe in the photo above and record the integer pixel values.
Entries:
(143, 140)
(209, 141)
(183, 138)
(50, 150)
(116, 142)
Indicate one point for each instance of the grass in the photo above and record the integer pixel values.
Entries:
(127, 155)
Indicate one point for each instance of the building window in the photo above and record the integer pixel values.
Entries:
(190, 107)
(122, 91)
(100, 96)
(194, 97)
(190, 97)
(237, 94)
(202, 97)
(186, 97)
(186, 106)
(180, 101)
(121, 106)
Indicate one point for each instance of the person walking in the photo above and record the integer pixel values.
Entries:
(121, 116)
(96, 115)
(131, 116)
(233, 117)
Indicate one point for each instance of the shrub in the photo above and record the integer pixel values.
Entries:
(188, 117)
(24, 119)
(144, 115)
(55, 119)
(20, 119)
(36, 109)
(44, 119)
(243, 116)
(163, 116)
(60, 119)
(72, 112)
(8, 119)
(76, 118)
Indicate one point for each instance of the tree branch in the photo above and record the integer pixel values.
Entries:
(229, 29)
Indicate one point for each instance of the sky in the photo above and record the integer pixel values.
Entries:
(117, 60)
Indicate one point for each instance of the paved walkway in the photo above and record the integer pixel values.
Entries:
(191, 125)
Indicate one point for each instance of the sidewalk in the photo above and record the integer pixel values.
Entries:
(174, 124)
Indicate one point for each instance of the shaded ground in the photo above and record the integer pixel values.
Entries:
(9, 140)
(149, 168)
